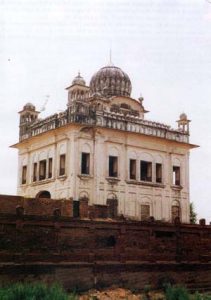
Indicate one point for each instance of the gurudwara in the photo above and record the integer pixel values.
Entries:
(101, 148)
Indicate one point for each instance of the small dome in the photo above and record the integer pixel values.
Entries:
(111, 81)
(183, 116)
(79, 80)
(29, 106)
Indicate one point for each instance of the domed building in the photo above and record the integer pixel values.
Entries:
(103, 154)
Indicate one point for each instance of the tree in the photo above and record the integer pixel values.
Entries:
(193, 214)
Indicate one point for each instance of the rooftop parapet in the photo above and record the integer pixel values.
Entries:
(106, 119)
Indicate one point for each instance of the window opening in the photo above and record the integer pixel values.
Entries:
(24, 171)
(42, 170)
(62, 165)
(113, 166)
(146, 170)
(132, 169)
(176, 175)
(158, 173)
(35, 172)
(85, 163)
(50, 165)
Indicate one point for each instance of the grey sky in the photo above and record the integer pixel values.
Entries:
(164, 46)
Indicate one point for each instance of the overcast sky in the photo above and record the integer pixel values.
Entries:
(164, 47)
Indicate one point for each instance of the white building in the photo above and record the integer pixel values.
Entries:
(101, 147)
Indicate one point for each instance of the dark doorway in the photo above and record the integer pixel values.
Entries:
(76, 212)
(44, 194)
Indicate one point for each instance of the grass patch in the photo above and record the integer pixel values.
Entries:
(34, 291)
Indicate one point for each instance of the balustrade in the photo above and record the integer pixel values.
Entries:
(108, 119)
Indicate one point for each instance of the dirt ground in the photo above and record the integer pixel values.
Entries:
(120, 294)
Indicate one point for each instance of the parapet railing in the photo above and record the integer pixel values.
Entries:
(106, 119)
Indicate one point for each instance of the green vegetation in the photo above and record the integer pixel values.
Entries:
(193, 214)
(181, 293)
(34, 291)
(176, 293)
(40, 291)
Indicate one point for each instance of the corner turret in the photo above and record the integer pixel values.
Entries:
(183, 123)
(28, 115)
(77, 90)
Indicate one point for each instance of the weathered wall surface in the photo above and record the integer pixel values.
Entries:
(49, 207)
(32, 206)
(84, 253)
(74, 139)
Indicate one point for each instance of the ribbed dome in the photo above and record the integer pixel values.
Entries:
(79, 80)
(110, 81)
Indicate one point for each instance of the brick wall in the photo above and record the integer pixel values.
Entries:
(31, 206)
(46, 243)
(48, 207)
(9, 203)
(130, 254)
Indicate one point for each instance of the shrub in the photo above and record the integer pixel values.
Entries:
(176, 293)
(33, 291)
(196, 296)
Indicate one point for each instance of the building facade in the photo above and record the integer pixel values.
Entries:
(102, 147)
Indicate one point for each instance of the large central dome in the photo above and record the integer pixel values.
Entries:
(110, 81)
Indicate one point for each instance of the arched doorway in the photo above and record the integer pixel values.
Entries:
(175, 210)
(112, 203)
(43, 194)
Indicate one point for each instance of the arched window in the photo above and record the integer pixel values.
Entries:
(43, 194)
